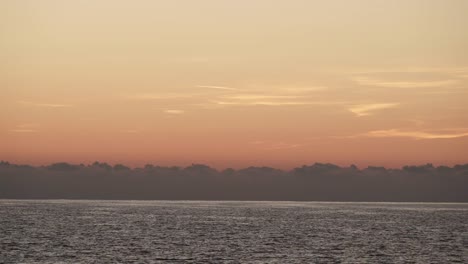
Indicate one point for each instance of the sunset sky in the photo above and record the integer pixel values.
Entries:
(234, 83)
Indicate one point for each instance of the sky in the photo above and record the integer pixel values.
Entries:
(234, 83)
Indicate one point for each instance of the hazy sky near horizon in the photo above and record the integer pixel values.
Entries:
(234, 83)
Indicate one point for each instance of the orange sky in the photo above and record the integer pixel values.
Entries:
(234, 83)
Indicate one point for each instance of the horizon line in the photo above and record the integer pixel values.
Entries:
(121, 165)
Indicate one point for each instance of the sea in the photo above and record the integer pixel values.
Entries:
(82, 231)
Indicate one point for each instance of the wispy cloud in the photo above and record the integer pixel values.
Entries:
(25, 128)
(50, 105)
(260, 99)
(265, 103)
(174, 111)
(303, 89)
(404, 84)
(159, 96)
(232, 96)
(415, 134)
(274, 102)
(217, 87)
(452, 90)
(367, 109)
(439, 70)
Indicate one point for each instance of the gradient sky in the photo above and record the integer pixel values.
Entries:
(234, 83)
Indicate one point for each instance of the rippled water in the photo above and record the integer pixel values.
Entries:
(231, 232)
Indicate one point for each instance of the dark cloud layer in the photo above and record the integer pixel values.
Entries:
(317, 182)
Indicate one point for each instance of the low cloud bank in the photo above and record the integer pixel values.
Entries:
(317, 182)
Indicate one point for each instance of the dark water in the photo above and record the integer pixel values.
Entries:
(231, 232)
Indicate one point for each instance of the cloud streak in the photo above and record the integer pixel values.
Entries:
(368, 109)
(174, 111)
(49, 105)
(159, 96)
(404, 84)
(304, 89)
(265, 103)
(414, 134)
(25, 128)
(261, 99)
(214, 87)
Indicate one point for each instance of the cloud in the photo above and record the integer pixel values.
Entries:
(452, 90)
(25, 128)
(44, 104)
(415, 134)
(217, 87)
(438, 70)
(159, 96)
(265, 103)
(403, 84)
(275, 97)
(367, 109)
(174, 111)
(248, 97)
(304, 89)
(274, 102)
(260, 99)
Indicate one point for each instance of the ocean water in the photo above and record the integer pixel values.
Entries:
(60, 231)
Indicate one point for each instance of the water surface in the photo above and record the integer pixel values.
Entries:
(64, 231)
